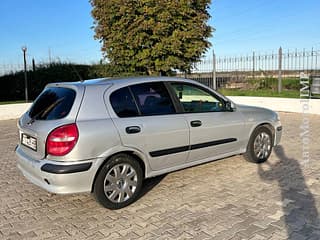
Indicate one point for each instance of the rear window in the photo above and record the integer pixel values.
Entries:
(53, 103)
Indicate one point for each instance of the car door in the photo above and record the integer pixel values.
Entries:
(214, 131)
(146, 119)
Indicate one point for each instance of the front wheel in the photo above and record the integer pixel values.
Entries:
(119, 182)
(260, 145)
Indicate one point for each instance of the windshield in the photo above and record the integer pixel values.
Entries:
(53, 103)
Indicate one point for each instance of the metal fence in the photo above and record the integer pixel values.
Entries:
(219, 71)
(278, 64)
(291, 61)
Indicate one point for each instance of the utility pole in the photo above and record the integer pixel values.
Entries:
(24, 50)
(280, 71)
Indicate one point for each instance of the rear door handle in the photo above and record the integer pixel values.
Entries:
(133, 129)
(196, 123)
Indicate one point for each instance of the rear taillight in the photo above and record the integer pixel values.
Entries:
(62, 140)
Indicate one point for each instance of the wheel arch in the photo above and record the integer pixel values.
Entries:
(129, 152)
(249, 154)
(266, 124)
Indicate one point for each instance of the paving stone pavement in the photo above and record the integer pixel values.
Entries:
(225, 199)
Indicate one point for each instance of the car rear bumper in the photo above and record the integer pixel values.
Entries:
(58, 177)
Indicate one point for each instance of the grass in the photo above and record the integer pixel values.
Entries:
(260, 93)
(12, 102)
(272, 83)
(267, 87)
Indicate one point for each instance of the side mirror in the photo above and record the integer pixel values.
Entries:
(230, 106)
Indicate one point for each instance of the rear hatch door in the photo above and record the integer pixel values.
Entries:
(57, 105)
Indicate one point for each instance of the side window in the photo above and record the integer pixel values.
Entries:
(152, 98)
(123, 103)
(196, 100)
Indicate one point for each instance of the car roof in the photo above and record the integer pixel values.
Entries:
(123, 81)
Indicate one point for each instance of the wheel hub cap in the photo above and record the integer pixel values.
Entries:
(120, 183)
(262, 145)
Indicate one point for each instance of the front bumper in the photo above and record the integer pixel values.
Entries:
(277, 133)
(59, 177)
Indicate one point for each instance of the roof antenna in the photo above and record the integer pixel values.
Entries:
(76, 72)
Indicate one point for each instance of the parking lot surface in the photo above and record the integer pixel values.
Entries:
(225, 199)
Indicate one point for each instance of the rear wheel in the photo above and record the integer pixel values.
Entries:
(119, 182)
(260, 145)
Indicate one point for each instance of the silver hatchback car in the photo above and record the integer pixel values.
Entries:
(106, 136)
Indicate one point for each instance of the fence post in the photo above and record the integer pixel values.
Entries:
(280, 71)
(253, 65)
(214, 79)
(311, 64)
(316, 63)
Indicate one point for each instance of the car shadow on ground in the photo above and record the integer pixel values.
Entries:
(301, 216)
(150, 183)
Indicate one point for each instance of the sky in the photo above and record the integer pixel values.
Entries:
(62, 29)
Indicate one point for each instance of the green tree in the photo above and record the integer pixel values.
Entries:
(152, 36)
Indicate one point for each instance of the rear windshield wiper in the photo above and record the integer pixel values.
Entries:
(45, 111)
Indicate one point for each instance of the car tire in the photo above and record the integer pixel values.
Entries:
(118, 182)
(260, 145)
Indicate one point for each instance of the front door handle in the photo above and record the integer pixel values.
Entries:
(196, 123)
(133, 129)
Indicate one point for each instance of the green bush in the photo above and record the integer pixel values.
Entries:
(12, 85)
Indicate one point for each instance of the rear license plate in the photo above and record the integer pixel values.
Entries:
(29, 141)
